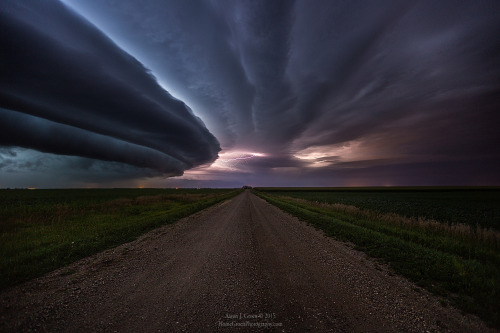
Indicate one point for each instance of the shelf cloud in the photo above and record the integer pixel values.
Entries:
(299, 93)
(68, 89)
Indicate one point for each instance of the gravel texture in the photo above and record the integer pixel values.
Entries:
(243, 265)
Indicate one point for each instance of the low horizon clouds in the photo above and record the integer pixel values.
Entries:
(300, 93)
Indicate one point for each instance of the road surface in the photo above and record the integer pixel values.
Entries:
(242, 265)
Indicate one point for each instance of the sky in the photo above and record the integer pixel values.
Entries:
(205, 93)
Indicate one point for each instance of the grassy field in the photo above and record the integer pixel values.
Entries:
(451, 205)
(447, 240)
(41, 230)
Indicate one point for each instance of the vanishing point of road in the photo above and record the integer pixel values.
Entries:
(240, 266)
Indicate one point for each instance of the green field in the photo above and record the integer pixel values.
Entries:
(472, 205)
(447, 240)
(41, 230)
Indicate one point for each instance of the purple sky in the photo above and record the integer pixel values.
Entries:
(108, 93)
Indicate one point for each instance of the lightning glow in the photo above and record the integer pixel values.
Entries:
(231, 160)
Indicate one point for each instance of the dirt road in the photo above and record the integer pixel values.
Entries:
(237, 266)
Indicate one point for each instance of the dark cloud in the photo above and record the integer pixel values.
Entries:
(66, 88)
(29, 168)
(191, 49)
(328, 92)
(18, 129)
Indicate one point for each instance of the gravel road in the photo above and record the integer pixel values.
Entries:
(242, 265)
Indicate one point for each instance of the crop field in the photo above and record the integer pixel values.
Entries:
(473, 206)
(41, 230)
(447, 240)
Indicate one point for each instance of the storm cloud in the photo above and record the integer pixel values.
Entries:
(296, 92)
(66, 88)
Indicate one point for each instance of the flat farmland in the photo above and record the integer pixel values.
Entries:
(240, 265)
(41, 230)
(446, 240)
(476, 206)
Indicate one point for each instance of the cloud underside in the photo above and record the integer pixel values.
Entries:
(67, 89)
(398, 82)
(331, 90)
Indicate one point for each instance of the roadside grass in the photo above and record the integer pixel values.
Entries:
(475, 206)
(43, 230)
(455, 263)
